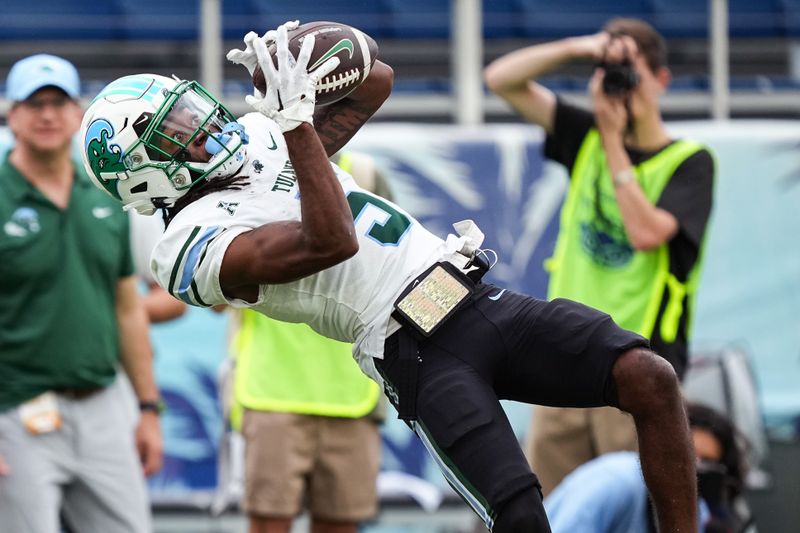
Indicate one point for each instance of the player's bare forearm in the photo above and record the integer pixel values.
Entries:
(338, 122)
(285, 251)
(325, 214)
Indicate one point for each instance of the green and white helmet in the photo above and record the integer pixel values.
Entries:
(147, 139)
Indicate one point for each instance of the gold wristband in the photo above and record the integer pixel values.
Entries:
(623, 176)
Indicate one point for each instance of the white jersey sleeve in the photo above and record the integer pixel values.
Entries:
(187, 259)
(187, 262)
(145, 233)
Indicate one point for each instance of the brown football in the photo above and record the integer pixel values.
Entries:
(355, 49)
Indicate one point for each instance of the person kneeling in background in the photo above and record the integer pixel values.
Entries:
(608, 494)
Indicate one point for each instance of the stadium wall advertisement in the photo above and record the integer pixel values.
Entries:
(749, 293)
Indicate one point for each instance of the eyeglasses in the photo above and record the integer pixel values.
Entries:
(38, 104)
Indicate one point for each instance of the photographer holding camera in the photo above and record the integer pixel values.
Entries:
(634, 217)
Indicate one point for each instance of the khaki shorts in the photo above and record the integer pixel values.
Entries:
(330, 464)
(562, 439)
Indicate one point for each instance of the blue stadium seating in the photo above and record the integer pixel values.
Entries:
(681, 18)
(560, 83)
(501, 19)
(403, 19)
(369, 16)
(791, 17)
(547, 19)
(746, 18)
(420, 85)
(159, 19)
(419, 18)
(140, 21)
(238, 18)
(755, 18)
(59, 19)
(689, 83)
(180, 19)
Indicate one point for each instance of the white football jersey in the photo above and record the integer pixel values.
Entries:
(350, 302)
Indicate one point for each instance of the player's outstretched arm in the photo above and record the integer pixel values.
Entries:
(338, 122)
(285, 251)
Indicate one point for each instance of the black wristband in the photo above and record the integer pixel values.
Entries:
(156, 406)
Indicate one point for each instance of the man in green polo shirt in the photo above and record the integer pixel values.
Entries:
(70, 314)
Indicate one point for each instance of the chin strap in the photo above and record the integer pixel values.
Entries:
(216, 142)
(143, 207)
(218, 145)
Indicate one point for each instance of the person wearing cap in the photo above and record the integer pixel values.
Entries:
(71, 444)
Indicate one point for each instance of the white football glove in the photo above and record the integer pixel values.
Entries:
(291, 89)
(247, 57)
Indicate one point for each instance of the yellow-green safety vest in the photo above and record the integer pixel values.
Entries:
(595, 264)
(291, 368)
(286, 367)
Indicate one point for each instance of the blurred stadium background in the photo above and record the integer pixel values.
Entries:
(453, 151)
(435, 46)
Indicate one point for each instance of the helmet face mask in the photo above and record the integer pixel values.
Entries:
(148, 139)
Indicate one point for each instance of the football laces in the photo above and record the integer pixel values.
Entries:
(338, 81)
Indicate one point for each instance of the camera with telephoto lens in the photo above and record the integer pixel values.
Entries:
(619, 78)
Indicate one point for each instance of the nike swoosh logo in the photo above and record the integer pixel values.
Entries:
(343, 44)
(497, 296)
(274, 144)
(143, 119)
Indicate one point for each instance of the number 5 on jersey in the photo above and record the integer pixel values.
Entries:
(384, 224)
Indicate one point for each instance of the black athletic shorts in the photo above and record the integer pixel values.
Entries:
(503, 345)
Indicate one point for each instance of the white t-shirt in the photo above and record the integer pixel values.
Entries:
(349, 302)
(145, 233)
